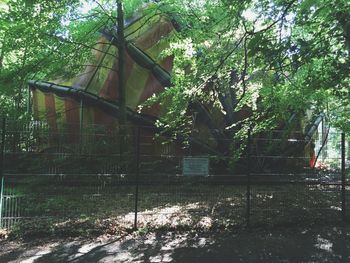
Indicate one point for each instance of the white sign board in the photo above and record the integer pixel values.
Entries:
(195, 166)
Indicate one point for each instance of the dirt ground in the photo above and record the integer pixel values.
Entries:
(283, 244)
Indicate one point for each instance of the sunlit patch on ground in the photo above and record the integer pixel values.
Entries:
(324, 244)
(297, 244)
(171, 216)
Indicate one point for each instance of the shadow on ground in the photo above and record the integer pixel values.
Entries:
(293, 244)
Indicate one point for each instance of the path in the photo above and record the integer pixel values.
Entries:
(315, 244)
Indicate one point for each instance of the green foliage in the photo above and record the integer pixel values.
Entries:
(288, 57)
(272, 56)
(48, 40)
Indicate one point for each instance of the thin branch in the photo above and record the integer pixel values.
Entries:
(45, 60)
(63, 40)
(113, 18)
(142, 25)
(94, 15)
(276, 21)
(222, 61)
(244, 72)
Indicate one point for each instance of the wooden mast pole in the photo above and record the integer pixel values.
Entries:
(121, 82)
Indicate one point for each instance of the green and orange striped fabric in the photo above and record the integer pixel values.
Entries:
(149, 34)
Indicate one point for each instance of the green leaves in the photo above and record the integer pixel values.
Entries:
(294, 59)
(290, 56)
(43, 40)
(306, 5)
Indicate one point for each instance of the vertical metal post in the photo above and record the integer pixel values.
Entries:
(194, 118)
(81, 127)
(2, 166)
(343, 202)
(3, 129)
(28, 101)
(137, 176)
(1, 197)
(248, 178)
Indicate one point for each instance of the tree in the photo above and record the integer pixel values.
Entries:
(21, 27)
(275, 57)
(47, 40)
(266, 55)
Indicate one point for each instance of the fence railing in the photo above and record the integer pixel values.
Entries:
(269, 181)
(10, 208)
(173, 201)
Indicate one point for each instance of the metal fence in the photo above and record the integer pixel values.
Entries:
(10, 207)
(265, 178)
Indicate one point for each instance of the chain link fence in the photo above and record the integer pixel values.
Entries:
(266, 178)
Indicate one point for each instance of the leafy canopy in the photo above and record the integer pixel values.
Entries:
(275, 57)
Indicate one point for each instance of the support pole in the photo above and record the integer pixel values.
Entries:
(29, 106)
(248, 179)
(137, 176)
(343, 197)
(81, 127)
(2, 167)
(121, 63)
(1, 197)
(121, 84)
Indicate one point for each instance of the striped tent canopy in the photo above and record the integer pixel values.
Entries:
(90, 97)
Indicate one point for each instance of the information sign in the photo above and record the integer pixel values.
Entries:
(195, 166)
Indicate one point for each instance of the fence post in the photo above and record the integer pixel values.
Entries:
(343, 201)
(137, 175)
(1, 197)
(248, 179)
(2, 167)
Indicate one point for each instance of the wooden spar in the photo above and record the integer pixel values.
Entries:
(121, 64)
